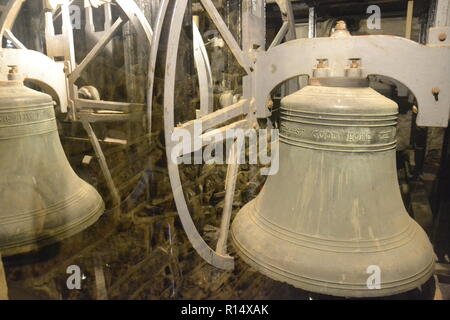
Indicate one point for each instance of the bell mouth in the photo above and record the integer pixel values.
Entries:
(330, 270)
(344, 82)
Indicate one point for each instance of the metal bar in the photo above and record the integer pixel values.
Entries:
(409, 19)
(226, 34)
(220, 116)
(230, 187)
(100, 282)
(430, 71)
(109, 116)
(280, 35)
(103, 164)
(108, 105)
(95, 51)
(218, 134)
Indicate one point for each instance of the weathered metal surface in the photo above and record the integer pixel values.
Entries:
(335, 209)
(42, 199)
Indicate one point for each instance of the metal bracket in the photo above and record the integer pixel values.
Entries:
(420, 68)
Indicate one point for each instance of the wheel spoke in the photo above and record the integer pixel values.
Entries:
(218, 117)
(291, 34)
(137, 19)
(153, 56)
(227, 35)
(213, 120)
(230, 187)
(9, 13)
(280, 35)
(205, 79)
(95, 51)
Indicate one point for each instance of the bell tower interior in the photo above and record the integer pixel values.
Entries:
(224, 150)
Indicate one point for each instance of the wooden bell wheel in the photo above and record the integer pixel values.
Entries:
(221, 120)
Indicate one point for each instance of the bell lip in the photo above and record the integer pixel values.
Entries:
(341, 82)
(343, 293)
(319, 286)
(58, 234)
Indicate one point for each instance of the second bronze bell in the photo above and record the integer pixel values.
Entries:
(333, 214)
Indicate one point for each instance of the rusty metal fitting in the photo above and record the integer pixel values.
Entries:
(355, 63)
(435, 91)
(443, 37)
(341, 25)
(13, 69)
(321, 63)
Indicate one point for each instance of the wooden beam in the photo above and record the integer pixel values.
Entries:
(409, 19)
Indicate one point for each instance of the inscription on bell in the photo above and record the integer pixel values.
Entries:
(363, 136)
(358, 136)
(329, 135)
(298, 131)
(28, 116)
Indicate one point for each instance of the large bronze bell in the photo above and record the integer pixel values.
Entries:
(332, 219)
(42, 200)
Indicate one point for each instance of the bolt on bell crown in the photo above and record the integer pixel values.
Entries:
(334, 210)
